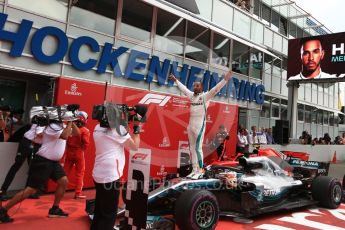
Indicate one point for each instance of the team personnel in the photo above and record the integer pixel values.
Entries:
(196, 129)
(219, 141)
(76, 146)
(29, 143)
(108, 168)
(45, 165)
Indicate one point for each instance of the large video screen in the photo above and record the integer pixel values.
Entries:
(316, 58)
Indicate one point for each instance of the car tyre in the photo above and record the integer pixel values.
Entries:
(328, 191)
(196, 210)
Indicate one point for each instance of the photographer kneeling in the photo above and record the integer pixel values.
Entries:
(45, 165)
(110, 161)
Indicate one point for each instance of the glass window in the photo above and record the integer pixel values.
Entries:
(284, 68)
(275, 21)
(257, 7)
(331, 118)
(292, 29)
(313, 115)
(265, 111)
(284, 113)
(266, 14)
(283, 26)
(325, 117)
(319, 116)
(136, 20)
(170, 33)
(276, 68)
(275, 107)
(52, 8)
(221, 50)
(256, 63)
(198, 42)
(283, 108)
(240, 57)
(299, 33)
(223, 16)
(268, 37)
(204, 9)
(277, 42)
(336, 120)
(257, 33)
(300, 114)
(102, 13)
(307, 117)
(268, 64)
(241, 24)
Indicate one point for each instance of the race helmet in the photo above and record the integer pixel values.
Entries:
(82, 115)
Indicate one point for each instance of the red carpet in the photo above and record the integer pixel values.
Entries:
(32, 214)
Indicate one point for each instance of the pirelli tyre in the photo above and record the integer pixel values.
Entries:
(328, 191)
(196, 210)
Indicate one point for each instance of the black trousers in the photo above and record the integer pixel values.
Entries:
(220, 149)
(25, 151)
(240, 150)
(107, 200)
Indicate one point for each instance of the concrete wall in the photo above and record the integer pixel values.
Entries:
(317, 153)
(322, 153)
(7, 155)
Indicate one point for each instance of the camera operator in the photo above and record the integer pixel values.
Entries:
(46, 165)
(30, 140)
(76, 146)
(108, 168)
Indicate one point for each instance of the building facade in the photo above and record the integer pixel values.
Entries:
(198, 39)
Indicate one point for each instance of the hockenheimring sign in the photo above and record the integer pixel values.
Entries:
(240, 90)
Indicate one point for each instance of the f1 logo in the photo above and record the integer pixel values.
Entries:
(151, 98)
(141, 156)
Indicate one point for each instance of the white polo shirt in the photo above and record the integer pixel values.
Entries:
(52, 147)
(34, 133)
(110, 157)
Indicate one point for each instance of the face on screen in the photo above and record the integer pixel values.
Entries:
(311, 55)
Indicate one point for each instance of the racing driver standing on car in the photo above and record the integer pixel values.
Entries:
(196, 129)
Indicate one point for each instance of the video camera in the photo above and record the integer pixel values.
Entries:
(44, 115)
(112, 115)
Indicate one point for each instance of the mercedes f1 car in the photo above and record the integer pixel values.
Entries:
(247, 186)
(254, 186)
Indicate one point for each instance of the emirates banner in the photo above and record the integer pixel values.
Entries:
(164, 130)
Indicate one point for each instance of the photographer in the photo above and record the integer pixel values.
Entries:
(76, 146)
(46, 165)
(219, 140)
(108, 168)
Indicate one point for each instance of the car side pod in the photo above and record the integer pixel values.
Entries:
(196, 209)
(327, 191)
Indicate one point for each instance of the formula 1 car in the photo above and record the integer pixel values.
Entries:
(245, 186)
(255, 186)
